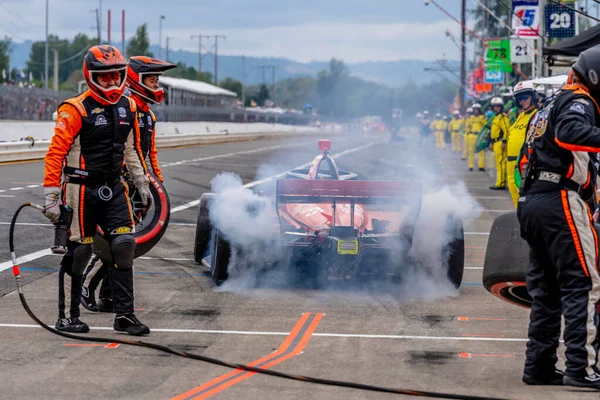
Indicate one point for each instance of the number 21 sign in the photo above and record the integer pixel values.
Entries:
(522, 51)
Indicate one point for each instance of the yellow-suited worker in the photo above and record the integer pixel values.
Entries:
(467, 127)
(439, 127)
(476, 122)
(526, 98)
(499, 136)
(456, 127)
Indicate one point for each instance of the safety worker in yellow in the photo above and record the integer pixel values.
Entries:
(499, 136)
(526, 98)
(425, 129)
(439, 128)
(456, 127)
(476, 122)
(467, 124)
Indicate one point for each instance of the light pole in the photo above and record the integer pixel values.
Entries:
(167, 57)
(216, 57)
(46, 52)
(160, 35)
(199, 54)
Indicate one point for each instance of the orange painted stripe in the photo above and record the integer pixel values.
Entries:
(471, 355)
(107, 346)
(297, 350)
(465, 319)
(282, 349)
(573, 228)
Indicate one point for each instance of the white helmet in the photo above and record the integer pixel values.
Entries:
(523, 86)
(419, 115)
(476, 105)
(497, 101)
(470, 110)
(425, 112)
(438, 115)
(455, 112)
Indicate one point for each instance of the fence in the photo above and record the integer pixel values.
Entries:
(39, 104)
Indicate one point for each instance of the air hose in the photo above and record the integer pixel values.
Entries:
(185, 354)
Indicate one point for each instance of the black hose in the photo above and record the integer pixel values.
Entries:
(185, 354)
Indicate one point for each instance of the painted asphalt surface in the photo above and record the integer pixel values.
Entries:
(408, 335)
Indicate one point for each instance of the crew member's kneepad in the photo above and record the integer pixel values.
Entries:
(123, 249)
(81, 257)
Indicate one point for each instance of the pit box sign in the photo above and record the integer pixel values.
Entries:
(522, 51)
(497, 55)
(560, 21)
(526, 18)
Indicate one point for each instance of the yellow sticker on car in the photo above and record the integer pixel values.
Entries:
(348, 247)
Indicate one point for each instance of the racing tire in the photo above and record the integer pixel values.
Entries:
(203, 228)
(506, 261)
(453, 253)
(219, 260)
(150, 222)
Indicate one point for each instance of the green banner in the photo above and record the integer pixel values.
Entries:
(497, 55)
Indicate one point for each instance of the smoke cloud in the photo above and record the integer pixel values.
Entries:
(247, 220)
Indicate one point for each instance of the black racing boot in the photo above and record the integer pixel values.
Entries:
(88, 299)
(105, 305)
(554, 378)
(73, 325)
(470, 169)
(586, 381)
(482, 169)
(130, 324)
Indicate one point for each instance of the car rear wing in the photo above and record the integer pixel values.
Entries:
(359, 192)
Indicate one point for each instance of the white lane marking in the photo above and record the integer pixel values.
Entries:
(334, 335)
(6, 195)
(181, 224)
(2, 190)
(477, 233)
(165, 258)
(280, 146)
(473, 267)
(32, 186)
(16, 188)
(254, 183)
(24, 223)
(26, 258)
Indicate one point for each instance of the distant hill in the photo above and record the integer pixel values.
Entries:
(391, 73)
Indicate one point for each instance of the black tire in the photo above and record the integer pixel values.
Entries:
(151, 223)
(453, 254)
(506, 260)
(219, 260)
(203, 228)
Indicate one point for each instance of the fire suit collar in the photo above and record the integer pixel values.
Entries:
(141, 103)
(582, 89)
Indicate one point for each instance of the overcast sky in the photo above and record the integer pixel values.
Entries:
(302, 30)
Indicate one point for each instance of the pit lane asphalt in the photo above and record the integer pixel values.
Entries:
(470, 343)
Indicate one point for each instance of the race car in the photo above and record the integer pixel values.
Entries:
(326, 223)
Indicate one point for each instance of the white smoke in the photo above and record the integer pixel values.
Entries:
(248, 221)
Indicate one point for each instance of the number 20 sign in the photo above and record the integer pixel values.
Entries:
(560, 21)
(521, 51)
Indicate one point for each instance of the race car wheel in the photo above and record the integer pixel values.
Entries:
(219, 260)
(150, 222)
(203, 228)
(506, 260)
(453, 254)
